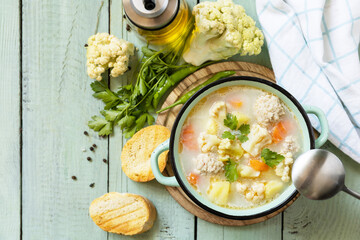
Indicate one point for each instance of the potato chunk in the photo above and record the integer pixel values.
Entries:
(242, 118)
(272, 188)
(218, 192)
(246, 171)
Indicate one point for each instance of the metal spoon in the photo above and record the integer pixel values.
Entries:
(319, 174)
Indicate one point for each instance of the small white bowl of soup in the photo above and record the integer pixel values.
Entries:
(233, 144)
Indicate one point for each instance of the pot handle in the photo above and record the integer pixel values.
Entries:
(168, 181)
(323, 123)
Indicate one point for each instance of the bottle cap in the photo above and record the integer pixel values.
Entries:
(151, 14)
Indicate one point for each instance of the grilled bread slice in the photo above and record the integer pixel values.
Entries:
(135, 156)
(123, 213)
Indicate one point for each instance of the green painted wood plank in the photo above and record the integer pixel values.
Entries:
(270, 229)
(173, 222)
(10, 120)
(57, 104)
(336, 218)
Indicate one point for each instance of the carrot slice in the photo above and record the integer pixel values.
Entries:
(258, 165)
(236, 103)
(192, 178)
(188, 138)
(279, 132)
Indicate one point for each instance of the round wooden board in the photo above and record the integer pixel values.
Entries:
(167, 119)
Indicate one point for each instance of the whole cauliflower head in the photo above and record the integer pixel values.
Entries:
(222, 29)
(106, 51)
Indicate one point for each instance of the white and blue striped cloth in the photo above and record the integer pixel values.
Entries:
(314, 51)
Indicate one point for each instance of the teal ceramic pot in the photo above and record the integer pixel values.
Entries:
(172, 144)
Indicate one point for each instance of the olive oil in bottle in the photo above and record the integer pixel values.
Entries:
(160, 22)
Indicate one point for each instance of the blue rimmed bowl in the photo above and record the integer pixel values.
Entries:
(172, 144)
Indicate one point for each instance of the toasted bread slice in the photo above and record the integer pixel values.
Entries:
(135, 156)
(123, 213)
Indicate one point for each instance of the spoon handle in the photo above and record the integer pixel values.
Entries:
(351, 192)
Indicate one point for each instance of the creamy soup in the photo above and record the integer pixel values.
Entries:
(237, 147)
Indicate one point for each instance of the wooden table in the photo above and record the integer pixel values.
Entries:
(45, 103)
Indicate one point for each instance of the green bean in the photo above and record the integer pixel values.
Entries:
(173, 79)
(186, 96)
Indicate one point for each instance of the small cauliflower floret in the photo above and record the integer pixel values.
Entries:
(229, 149)
(259, 137)
(290, 145)
(208, 142)
(207, 164)
(242, 118)
(106, 51)
(241, 187)
(259, 189)
(283, 169)
(248, 172)
(272, 188)
(268, 109)
(218, 192)
(218, 110)
(212, 127)
(222, 29)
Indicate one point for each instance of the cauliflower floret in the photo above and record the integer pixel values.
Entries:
(268, 109)
(212, 127)
(222, 29)
(229, 149)
(206, 163)
(259, 189)
(241, 187)
(283, 169)
(208, 142)
(106, 51)
(218, 110)
(259, 137)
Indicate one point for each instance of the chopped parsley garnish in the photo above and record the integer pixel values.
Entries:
(228, 135)
(231, 121)
(230, 168)
(271, 158)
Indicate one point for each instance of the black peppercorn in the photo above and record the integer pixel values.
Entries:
(124, 16)
(86, 45)
(88, 158)
(91, 149)
(104, 160)
(86, 133)
(74, 178)
(94, 145)
(128, 28)
(92, 185)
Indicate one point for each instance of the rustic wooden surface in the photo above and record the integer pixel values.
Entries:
(45, 103)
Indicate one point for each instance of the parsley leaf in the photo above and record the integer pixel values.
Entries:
(228, 135)
(271, 158)
(101, 125)
(231, 121)
(230, 168)
(242, 138)
(244, 129)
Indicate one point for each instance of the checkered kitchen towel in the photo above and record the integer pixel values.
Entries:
(314, 51)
